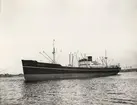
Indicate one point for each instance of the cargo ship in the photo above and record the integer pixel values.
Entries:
(87, 68)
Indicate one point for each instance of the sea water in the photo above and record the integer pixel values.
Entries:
(120, 89)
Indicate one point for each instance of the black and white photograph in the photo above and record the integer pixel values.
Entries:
(68, 52)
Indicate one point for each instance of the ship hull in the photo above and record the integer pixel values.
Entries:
(42, 77)
(35, 71)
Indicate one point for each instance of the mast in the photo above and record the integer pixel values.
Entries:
(106, 58)
(70, 59)
(54, 51)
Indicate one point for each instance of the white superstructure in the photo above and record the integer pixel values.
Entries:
(89, 63)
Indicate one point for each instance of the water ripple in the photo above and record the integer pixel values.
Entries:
(112, 90)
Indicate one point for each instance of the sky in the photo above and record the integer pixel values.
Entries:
(90, 27)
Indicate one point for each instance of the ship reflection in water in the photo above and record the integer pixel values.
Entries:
(120, 89)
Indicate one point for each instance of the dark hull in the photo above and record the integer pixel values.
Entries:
(35, 71)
